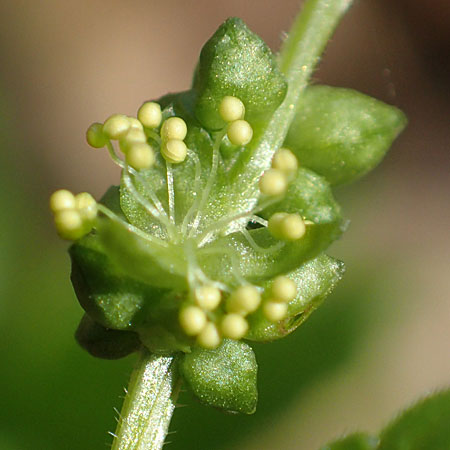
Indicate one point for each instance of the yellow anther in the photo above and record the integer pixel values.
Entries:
(275, 311)
(69, 224)
(285, 161)
(239, 132)
(209, 337)
(174, 151)
(149, 114)
(62, 199)
(134, 123)
(192, 320)
(134, 135)
(95, 136)
(289, 227)
(231, 109)
(283, 289)
(86, 206)
(234, 326)
(244, 300)
(207, 297)
(273, 183)
(116, 126)
(174, 128)
(140, 156)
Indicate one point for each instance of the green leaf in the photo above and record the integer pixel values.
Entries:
(153, 262)
(424, 426)
(224, 378)
(237, 62)
(113, 300)
(315, 280)
(308, 195)
(342, 134)
(105, 343)
(357, 441)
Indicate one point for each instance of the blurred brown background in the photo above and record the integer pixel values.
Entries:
(67, 64)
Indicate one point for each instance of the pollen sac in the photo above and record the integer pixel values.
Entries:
(209, 337)
(273, 183)
(285, 161)
(150, 115)
(62, 199)
(192, 320)
(73, 215)
(116, 126)
(244, 300)
(283, 289)
(207, 297)
(231, 109)
(95, 136)
(174, 128)
(134, 135)
(234, 326)
(275, 311)
(236, 62)
(289, 227)
(239, 132)
(140, 156)
(86, 205)
(174, 151)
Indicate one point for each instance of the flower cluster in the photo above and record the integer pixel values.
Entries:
(217, 232)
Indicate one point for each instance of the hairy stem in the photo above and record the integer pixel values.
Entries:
(149, 404)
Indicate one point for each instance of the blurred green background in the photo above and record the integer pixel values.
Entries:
(380, 341)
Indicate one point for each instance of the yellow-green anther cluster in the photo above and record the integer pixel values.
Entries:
(244, 300)
(173, 132)
(73, 214)
(285, 161)
(150, 115)
(283, 291)
(232, 111)
(273, 183)
(207, 297)
(287, 227)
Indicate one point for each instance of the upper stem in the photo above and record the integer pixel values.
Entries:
(298, 58)
(149, 404)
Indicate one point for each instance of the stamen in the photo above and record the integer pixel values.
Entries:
(204, 237)
(162, 215)
(211, 178)
(131, 228)
(198, 174)
(267, 250)
(170, 192)
(259, 220)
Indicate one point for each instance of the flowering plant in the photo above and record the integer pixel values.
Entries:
(216, 235)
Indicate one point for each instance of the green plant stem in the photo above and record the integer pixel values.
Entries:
(298, 58)
(149, 404)
(154, 385)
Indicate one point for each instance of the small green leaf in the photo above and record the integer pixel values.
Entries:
(237, 62)
(154, 262)
(105, 343)
(224, 378)
(108, 297)
(342, 134)
(315, 280)
(357, 441)
(424, 426)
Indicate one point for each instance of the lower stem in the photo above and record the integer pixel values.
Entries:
(149, 404)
